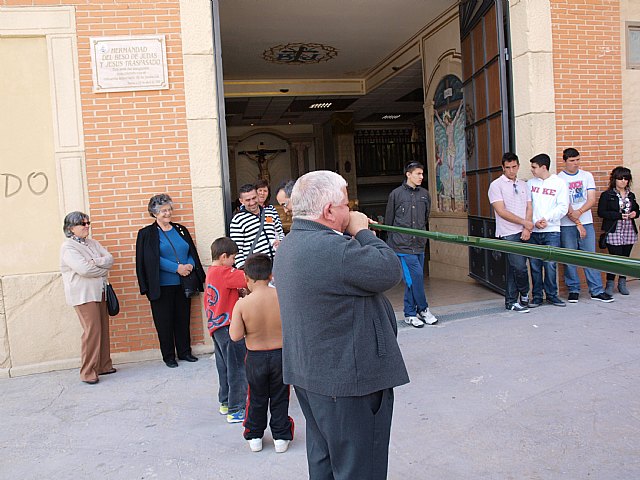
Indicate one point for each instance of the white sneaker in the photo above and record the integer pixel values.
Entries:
(427, 317)
(255, 444)
(414, 322)
(281, 445)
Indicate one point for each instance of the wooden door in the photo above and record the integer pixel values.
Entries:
(486, 95)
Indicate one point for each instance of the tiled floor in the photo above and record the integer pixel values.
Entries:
(442, 293)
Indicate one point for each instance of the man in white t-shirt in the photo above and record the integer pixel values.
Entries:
(576, 228)
(511, 201)
(550, 202)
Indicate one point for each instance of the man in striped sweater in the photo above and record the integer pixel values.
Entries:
(245, 227)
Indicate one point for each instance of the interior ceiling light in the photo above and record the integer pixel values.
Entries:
(321, 105)
(391, 117)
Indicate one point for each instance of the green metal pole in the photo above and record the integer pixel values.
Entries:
(598, 261)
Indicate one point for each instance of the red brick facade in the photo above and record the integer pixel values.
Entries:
(587, 65)
(136, 146)
(588, 84)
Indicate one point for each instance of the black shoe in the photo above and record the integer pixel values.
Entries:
(524, 301)
(535, 303)
(189, 358)
(516, 307)
(573, 297)
(171, 363)
(603, 297)
(555, 301)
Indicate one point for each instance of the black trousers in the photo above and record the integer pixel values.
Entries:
(171, 316)
(347, 437)
(620, 250)
(264, 374)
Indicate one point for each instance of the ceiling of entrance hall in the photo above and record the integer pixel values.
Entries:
(363, 32)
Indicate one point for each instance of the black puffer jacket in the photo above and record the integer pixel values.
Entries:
(407, 207)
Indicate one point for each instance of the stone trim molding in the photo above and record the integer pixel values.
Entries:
(58, 26)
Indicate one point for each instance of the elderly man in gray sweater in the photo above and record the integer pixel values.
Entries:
(339, 331)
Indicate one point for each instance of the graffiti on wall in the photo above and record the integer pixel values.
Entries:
(35, 183)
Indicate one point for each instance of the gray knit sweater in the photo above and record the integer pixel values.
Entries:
(339, 330)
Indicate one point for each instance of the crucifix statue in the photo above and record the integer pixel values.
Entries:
(262, 156)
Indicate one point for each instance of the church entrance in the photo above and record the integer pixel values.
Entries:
(366, 100)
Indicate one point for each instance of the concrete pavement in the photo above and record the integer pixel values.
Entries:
(552, 394)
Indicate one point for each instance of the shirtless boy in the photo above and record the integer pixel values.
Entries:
(256, 318)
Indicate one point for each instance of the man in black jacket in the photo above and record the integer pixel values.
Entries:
(408, 206)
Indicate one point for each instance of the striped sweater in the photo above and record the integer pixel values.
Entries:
(244, 227)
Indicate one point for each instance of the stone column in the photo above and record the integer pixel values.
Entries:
(343, 132)
(300, 149)
(533, 88)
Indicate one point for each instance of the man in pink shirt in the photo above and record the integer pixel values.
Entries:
(511, 201)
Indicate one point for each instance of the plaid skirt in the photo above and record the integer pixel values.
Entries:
(623, 234)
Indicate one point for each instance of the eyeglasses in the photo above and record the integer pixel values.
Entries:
(284, 204)
(84, 224)
(515, 189)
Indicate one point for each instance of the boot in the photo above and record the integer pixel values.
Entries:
(622, 285)
(608, 289)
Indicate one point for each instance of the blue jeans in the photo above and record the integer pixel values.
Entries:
(517, 274)
(415, 299)
(550, 282)
(231, 372)
(570, 238)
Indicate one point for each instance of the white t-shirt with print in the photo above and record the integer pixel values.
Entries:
(579, 184)
(550, 199)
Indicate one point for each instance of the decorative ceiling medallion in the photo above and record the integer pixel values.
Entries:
(300, 53)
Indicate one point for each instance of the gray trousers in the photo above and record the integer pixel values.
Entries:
(347, 437)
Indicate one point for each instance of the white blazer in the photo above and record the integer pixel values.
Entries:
(84, 270)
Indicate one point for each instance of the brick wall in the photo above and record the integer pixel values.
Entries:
(587, 53)
(587, 72)
(136, 146)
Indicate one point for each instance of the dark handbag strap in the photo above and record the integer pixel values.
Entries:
(611, 228)
(255, 240)
(169, 240)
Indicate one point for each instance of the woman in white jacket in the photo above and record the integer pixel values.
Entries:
(85, 264)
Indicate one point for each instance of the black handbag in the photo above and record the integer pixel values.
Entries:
(602, 242)
(113, 305)
(190, 283)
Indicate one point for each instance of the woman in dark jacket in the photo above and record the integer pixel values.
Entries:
(618, 208)
(164, 252)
